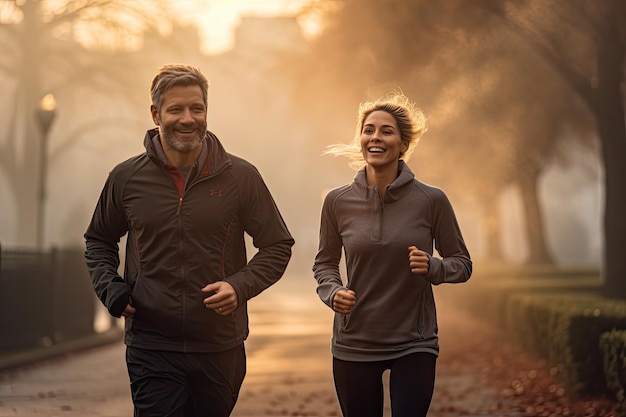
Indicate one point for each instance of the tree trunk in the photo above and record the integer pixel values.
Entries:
(613, 139)
(493, 230)
(609, 109)
(25, 178)
(537, 247)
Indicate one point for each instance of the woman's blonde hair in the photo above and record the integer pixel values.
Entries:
(410, 119)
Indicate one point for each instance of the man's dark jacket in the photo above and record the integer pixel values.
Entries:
(183, 235)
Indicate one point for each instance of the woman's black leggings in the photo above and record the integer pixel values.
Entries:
(359, 385)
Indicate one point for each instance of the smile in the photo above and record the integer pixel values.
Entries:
(375, 149)
(186, 132)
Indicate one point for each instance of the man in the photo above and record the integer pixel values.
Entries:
(185, 204)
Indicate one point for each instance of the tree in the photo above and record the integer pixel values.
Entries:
(566, 34)
(40, 46)
(500, 107)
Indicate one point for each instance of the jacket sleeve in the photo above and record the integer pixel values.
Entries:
(455, 264)
(102, 238)
(326, 264)
(261, 220)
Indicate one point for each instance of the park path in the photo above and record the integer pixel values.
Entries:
(289, 369)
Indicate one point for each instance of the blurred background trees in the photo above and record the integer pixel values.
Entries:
(511, 86)
(512, 90)
(73, 48)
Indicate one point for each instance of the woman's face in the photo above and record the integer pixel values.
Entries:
(381, 144)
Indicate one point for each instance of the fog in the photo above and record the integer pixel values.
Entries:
(260, 110)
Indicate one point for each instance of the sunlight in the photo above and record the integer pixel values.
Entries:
(9, 13)
(217, 19)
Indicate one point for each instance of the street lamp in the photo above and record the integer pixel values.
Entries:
(46, 111)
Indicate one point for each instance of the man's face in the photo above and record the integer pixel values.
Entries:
(182, 119)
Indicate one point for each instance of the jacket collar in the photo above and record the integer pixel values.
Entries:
(212, 159)
(405, 176)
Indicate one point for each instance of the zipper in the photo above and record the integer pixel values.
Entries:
(182, 270)
(180, 203)
(181, 195)
(179, 184)
(379, 232)
(181, 252)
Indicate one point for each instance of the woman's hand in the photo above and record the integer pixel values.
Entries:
(418, 261)
(343, 301)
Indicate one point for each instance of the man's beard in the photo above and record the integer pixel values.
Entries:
(173, 142)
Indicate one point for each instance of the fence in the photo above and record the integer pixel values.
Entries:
(46, 298)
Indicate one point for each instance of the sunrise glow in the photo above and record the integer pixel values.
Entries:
(217, 19)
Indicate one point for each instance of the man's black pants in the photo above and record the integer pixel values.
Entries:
(176, 384)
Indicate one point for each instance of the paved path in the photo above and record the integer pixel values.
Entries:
(289, 370)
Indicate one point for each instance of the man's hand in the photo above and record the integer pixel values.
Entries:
(343, 301)
(223, 299)
(418, 261)
(129, 311)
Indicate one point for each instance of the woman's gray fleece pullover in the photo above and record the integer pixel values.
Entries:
(395, 312)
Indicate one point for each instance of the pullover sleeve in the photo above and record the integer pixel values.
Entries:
(326, 264)
(102, 237)
(264, 223)
(455, 264)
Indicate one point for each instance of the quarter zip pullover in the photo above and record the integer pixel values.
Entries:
(395, 310)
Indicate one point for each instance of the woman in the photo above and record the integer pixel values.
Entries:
(386, 222)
